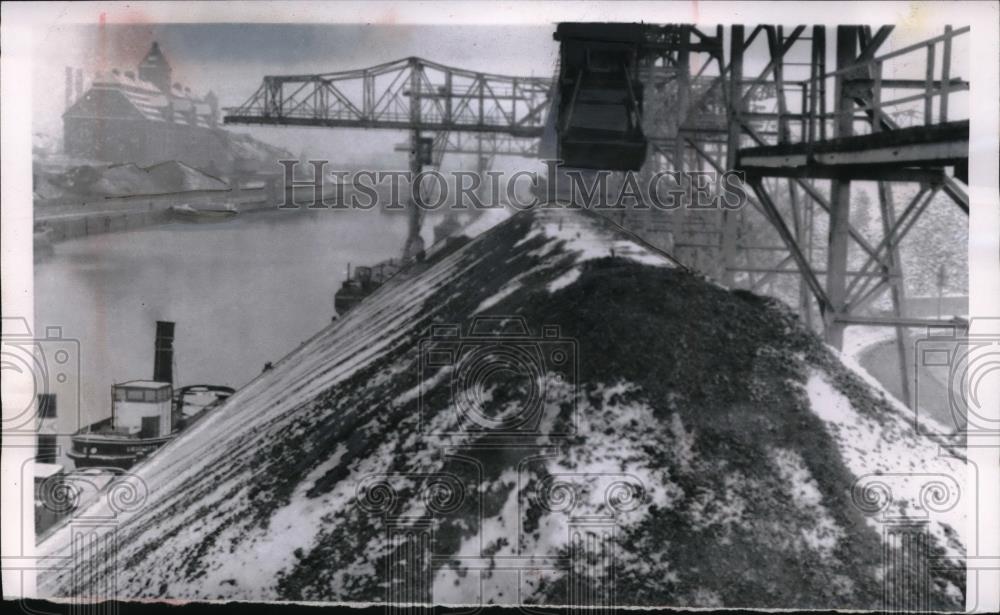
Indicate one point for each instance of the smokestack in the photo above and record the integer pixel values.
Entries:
(79, 84)
(163, 359)
(69, 86)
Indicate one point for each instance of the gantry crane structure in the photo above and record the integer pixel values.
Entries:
(507, 113)
(801, 133)
(798, 130)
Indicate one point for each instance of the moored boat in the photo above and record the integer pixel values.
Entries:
(204, 213)
(364, 282)
(145, 414)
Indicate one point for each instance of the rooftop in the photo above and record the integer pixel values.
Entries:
(156, 100)
(143, 384)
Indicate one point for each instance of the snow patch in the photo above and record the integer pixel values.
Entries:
(588, 241)
(858, 339)
(255, 564)
(927, 424)
(901, 473)
(803, 489)
(564, 280)
(509, 289)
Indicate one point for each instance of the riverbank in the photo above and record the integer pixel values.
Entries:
(61, 220)
(81, 218)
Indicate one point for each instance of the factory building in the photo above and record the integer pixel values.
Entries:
(145, 117)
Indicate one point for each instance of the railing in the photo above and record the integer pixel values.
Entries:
(867, 82)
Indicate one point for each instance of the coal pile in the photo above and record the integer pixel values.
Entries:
(125, 180)
(511, 419)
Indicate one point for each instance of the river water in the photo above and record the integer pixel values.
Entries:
(242, 292)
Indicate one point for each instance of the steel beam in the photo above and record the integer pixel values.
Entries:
(786, 236)
(895, 235)
(892, 321)
(850, 172)
(897, 288)
(816, 196)
(730, 219)
(840, 197)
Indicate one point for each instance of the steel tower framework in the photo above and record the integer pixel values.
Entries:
(801, 142)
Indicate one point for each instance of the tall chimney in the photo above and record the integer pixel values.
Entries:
(78, 90)
(69, 87)
(163, 359)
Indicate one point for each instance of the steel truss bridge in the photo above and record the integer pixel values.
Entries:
(507, 113)
(408, 94)
(800, 131)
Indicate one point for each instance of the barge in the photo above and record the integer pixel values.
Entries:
(203, 213)
(364, 282)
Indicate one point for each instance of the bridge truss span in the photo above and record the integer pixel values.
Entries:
(407, 94)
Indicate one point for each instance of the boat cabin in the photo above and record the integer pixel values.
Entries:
(364, 282)
(143, 408)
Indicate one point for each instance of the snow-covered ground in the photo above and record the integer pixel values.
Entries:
(857, 339)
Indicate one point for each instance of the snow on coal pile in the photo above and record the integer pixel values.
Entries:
(699, 437)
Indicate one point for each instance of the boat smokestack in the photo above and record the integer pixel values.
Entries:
(163, 359)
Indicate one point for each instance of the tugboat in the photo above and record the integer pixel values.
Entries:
(365, 281)
(145, 414)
